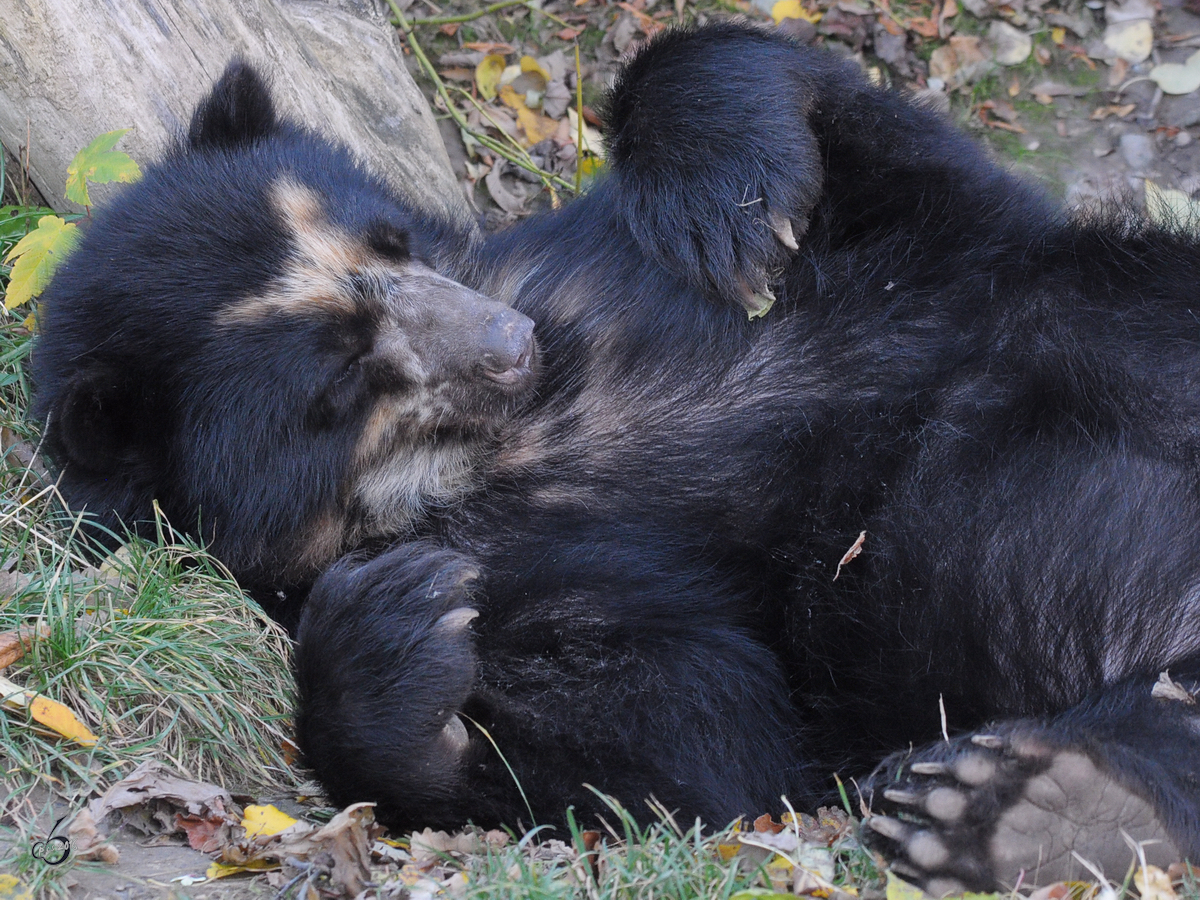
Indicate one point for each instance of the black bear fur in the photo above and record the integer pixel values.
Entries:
(624, 560)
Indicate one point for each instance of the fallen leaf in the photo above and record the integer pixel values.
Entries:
(258, 820)
(152, 797)
(1010, 46)
(793, 9)
(765, 823)
(15, 644)
(1132, 40)
(529, 65)
(511, 98)
(457, 73)
(1058, 891)
(1153, 883)
(1172, 209)
(536, 127)
(568, 34)
(87, 843)
(224, 870)
(47, 712)
(593, 143)
(960, 60)
(487, 75)
(1118, 72)
(923, 26)
(1166, 688)
(507, 200)
(949, 10)
(645, 23)
(851, 554)
(12, 888)
(1175, 78)
(1103, 112)
(898, 889)
(346, 839)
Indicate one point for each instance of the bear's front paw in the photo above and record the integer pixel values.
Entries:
(717, 191)
(384, 660)
(990, 810)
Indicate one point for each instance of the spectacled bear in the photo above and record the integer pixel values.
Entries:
(619, 551)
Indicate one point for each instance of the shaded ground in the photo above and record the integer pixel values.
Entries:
(1089, 125)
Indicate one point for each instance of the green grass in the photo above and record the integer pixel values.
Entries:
(155, 649)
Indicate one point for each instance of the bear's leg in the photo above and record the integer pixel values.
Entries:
(1025, 800)
(518, 714)
(736, 153)
(384, 659)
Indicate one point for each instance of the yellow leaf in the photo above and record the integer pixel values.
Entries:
(1058, 35)
(511, 98)
(536, 127)
(1172, 209)
(12, 888)
(590, 165)
(37, 255)
(898, 889)
(99, 163)
(791, 9)
(259, 820)
(221, 870)
(48, 712)
(1153, 883)
(593, 143)
(487, 75)
(529, 65)
(54, 715)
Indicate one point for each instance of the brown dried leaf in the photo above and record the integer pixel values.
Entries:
(347, 839)
(152, 798)
(923, 26)
(507, 200)
(851, 554)
(15, 644)
(1103, 112)
(536, 127)
(765, 823)
(1166, 688)
(87, 843)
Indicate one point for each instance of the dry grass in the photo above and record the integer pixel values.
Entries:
(154, 648)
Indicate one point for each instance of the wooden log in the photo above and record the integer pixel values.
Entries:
(73, 69)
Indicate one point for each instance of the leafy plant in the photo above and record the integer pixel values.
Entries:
(43, 239)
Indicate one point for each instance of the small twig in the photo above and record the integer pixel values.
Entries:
(478, 14)
(524, 160)
(578, 122)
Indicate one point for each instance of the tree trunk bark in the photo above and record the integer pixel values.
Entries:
(73, 69)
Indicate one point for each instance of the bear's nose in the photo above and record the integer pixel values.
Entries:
(508, 347)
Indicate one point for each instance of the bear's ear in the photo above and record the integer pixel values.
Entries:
(238, 111)
(96, 424)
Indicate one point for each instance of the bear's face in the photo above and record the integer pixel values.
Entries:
(286, 376)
